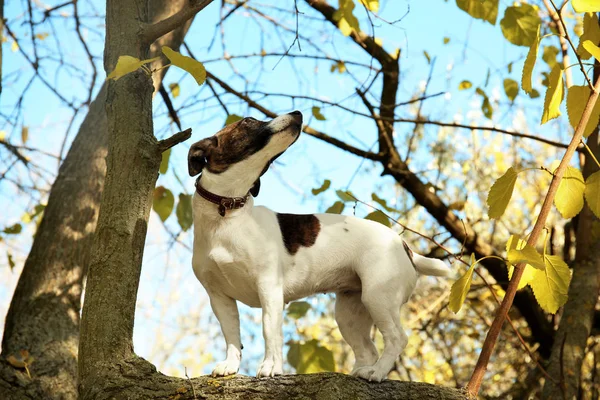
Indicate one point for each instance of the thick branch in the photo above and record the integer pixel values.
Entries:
(177, 138)
(154, 31)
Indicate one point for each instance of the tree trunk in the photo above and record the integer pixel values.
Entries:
(577, 318)
(43, 317)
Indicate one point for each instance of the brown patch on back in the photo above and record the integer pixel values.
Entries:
(410, 254)
(298, 230)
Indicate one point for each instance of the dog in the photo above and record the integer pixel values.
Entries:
(267, 259)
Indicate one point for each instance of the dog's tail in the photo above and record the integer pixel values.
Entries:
(427, 266)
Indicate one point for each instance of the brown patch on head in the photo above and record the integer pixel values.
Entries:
(298, 230)
(409, 252)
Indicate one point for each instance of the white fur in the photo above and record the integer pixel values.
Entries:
(242, 257)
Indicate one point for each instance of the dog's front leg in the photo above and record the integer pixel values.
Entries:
(271, 300)
(225, 308)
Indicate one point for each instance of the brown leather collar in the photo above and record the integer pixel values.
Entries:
(224, 203)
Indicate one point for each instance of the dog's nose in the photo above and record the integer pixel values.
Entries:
(297, 116)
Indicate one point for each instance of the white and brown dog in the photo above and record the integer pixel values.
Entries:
(266, 259)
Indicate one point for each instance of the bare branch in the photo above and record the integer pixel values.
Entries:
(177, 138)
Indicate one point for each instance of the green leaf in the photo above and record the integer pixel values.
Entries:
(511, 88)
(530, 63)
(345, 195)
(460, 288)
(383, 203)
(188, 64)
(569, 197)
(316, 112)
(346, 21)
(340, 66)
(534, 94)
(528, 254)
(298, 309)
(581, 6)
(591, 32)
(465, 85)
(175, 89)
(577, 98)
(427, 56)
(551, 286)
(380, 217)
(457, 205)
(336, 208)
(549, 55)
(13, 229)
(486, 10)
(520, 24)
(231, 118)
(184, 211)
(11, 262)
(326, 184)
(486, 106)
(446, 40)
(501, 192)
(164, 162)
(554, 94)
(126, 65)
(310, 357)
(162, 202)
(592, 193)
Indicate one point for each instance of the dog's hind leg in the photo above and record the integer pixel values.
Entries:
(384, 306)
(225, 308)
(355, 324)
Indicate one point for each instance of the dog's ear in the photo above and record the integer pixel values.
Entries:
(198, 154)
(256, 188)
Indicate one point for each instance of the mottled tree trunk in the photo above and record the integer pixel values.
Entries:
(43, 317)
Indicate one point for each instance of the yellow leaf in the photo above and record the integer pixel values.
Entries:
(569, 197)
(24, 134)
(42, 36)
(511, 88)
(554, 94)
(529, 64)
(372, 5)
(520, 24)
(485, 10)
(500, 193)
(586, 5)
(577, 98)
(592, 193)
(591, 32)
(526, 277)
(2, 135)
(175, 90)
(194, 67)
(551, 286)
(316, 112)
(460, 288)
(164, 163)
(231, 118)
(528, 254)
(14, 47)
(346, 21)
(465, 85)
(126, 65)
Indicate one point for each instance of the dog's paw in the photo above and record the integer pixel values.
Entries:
(227, 367)
(370, 373)
(269, 368)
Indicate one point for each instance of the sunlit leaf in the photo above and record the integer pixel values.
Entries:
(577, 98)
(551, 286)
(345, 195)
(569, 197)
(184, 211)
(530, 64)
(486, 106)
(164, 163)
(383, 203)
(591, 32)
(581, 6)
(14, 47)
(372, 5)
(24, 134)
(528, 254)
(42, 35)
(460, 288)
(465, 85)
(380, 217)
(592, 49)
(162, 202)
(592, 193)
(126, 65)
(175, 89)
(554, 94)
(336, 208)
(346, 21)
(316, 112)
(326, 184)
(486, 10)
(500, 193)
(188, 64)
(310, 357)
(231, 118)
(446, 40)
(520, 24)
(511, 88)
(298, 309)
(340, 66)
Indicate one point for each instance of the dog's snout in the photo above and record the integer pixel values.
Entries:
(297, 116)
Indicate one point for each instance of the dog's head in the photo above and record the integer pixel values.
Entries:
(241, 152)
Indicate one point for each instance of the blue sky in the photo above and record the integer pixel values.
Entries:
(168, 291)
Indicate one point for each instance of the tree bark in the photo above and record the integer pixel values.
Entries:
(43, 317)
(577, 318)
